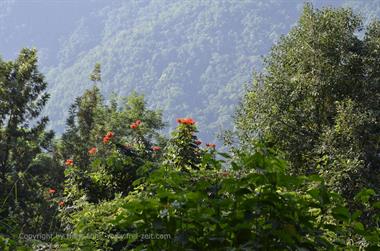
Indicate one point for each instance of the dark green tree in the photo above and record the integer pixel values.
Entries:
(96, 75)
(318, 100)
(25, 146)
(83, 118)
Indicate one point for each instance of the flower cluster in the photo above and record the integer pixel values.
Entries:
(51, 190)
(156, 148)
(135, 124)
(210, 145)
(92, 151)
(186, 121)
(108, 137)
(69, 162)
(198, 142)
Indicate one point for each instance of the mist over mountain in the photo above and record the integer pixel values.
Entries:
(189, 58)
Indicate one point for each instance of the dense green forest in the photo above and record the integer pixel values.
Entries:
(188, 58)
(301, 169)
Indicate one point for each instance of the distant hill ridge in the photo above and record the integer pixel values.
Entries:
(189, 58)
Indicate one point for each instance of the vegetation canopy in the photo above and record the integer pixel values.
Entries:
(301, 169)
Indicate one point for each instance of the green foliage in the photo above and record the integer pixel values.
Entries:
(182, 151)
(257, 205)
(83, 118)
(96, 74)
(124, 187)
(8, 244)
(90, 119)
(25, 150)
(254, 204)
(317, 101)
(106, 147)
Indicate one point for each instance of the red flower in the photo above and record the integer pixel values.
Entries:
(61, 203)
(69, 162)
(211, 145)
(189, 121)
(92, 151)
(135, 124)
(186, 121)
(198, 142)
(156, 148)
(108, 137)
(52, 190)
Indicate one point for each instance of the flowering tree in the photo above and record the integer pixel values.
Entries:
(106, 143)
(182, 151)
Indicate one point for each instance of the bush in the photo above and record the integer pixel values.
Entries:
(254, 204)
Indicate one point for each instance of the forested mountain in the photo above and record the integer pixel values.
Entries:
(299, 170)
(189, 58)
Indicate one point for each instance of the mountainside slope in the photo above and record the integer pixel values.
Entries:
(189, 58)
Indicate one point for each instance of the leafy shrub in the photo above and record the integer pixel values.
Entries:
(249, 202)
